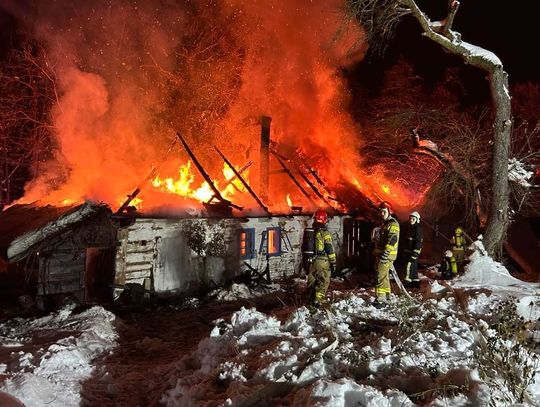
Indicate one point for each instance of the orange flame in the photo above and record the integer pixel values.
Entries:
(183, 184)
(289, 202)
(213, 88)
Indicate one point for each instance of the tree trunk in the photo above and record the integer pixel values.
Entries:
(498, 212)
(441, 33)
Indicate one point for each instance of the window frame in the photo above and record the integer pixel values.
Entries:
(250, 251)
(277, 229)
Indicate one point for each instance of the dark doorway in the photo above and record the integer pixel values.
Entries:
(357, 242)
(99, 274)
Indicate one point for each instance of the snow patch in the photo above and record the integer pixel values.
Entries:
(241, 291)
(518, 173)
(51, 375)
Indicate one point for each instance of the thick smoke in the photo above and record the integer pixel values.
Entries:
(131, 74)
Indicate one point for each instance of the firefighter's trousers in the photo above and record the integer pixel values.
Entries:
(383, 279)
(459, 255)
(411, 270)
(318, 279)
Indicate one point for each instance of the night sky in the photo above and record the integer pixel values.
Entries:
(509, 29)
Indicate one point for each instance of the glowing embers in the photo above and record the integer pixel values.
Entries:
(183, 184)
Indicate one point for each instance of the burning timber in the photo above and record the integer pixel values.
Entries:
(88, 252)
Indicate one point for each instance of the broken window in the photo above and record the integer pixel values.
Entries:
(274, 241)
(247, 243)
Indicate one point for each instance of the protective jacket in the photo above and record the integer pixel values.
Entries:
(323, 246)
(458, 246)
(387, 244)
(324, 261)
(415, 238)
(457, 241)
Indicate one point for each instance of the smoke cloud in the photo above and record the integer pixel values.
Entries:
(131, 74)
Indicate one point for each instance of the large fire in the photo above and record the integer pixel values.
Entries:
(127, 80)
(182, 185)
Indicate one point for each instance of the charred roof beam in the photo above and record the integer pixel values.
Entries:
(205, 174)
(293, 178)
(153, 172)
(239, 176)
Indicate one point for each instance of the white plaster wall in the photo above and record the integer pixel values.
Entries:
(160, 249)
(292, 227)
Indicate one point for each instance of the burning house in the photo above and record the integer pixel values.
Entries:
(88, 251)
(223, 198)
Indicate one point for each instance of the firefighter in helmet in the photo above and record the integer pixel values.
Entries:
(413, 246)
(458, 246)
(448, 267)
(386, 250)
(324, 260)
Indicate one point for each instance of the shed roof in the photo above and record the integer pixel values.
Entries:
(23, 226)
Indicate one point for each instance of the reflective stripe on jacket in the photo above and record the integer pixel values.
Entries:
(457, 241)
(414, 239)
(323, 245)
(387, 245)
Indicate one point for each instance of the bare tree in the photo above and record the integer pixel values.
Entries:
(370, 11)
(27, 93)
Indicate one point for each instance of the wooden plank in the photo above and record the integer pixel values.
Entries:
(205, 175)
(68, 273)
(134, 249)
(146, 257)
(138, 275)
(131, 267)
(292, 177)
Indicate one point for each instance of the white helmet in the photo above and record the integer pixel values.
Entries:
(448, 253)
(415, 215)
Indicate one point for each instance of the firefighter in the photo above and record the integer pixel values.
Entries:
(448, 267)
(386, 252)
(412, 250)
(458, 246)
(323, 263)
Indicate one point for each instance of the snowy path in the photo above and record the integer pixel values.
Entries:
(149, 346)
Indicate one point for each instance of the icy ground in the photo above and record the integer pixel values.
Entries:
(469, 342)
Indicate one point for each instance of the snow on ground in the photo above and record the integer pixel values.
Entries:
(470, 341)
(427, 352)
(241, 291)
(51, 355)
